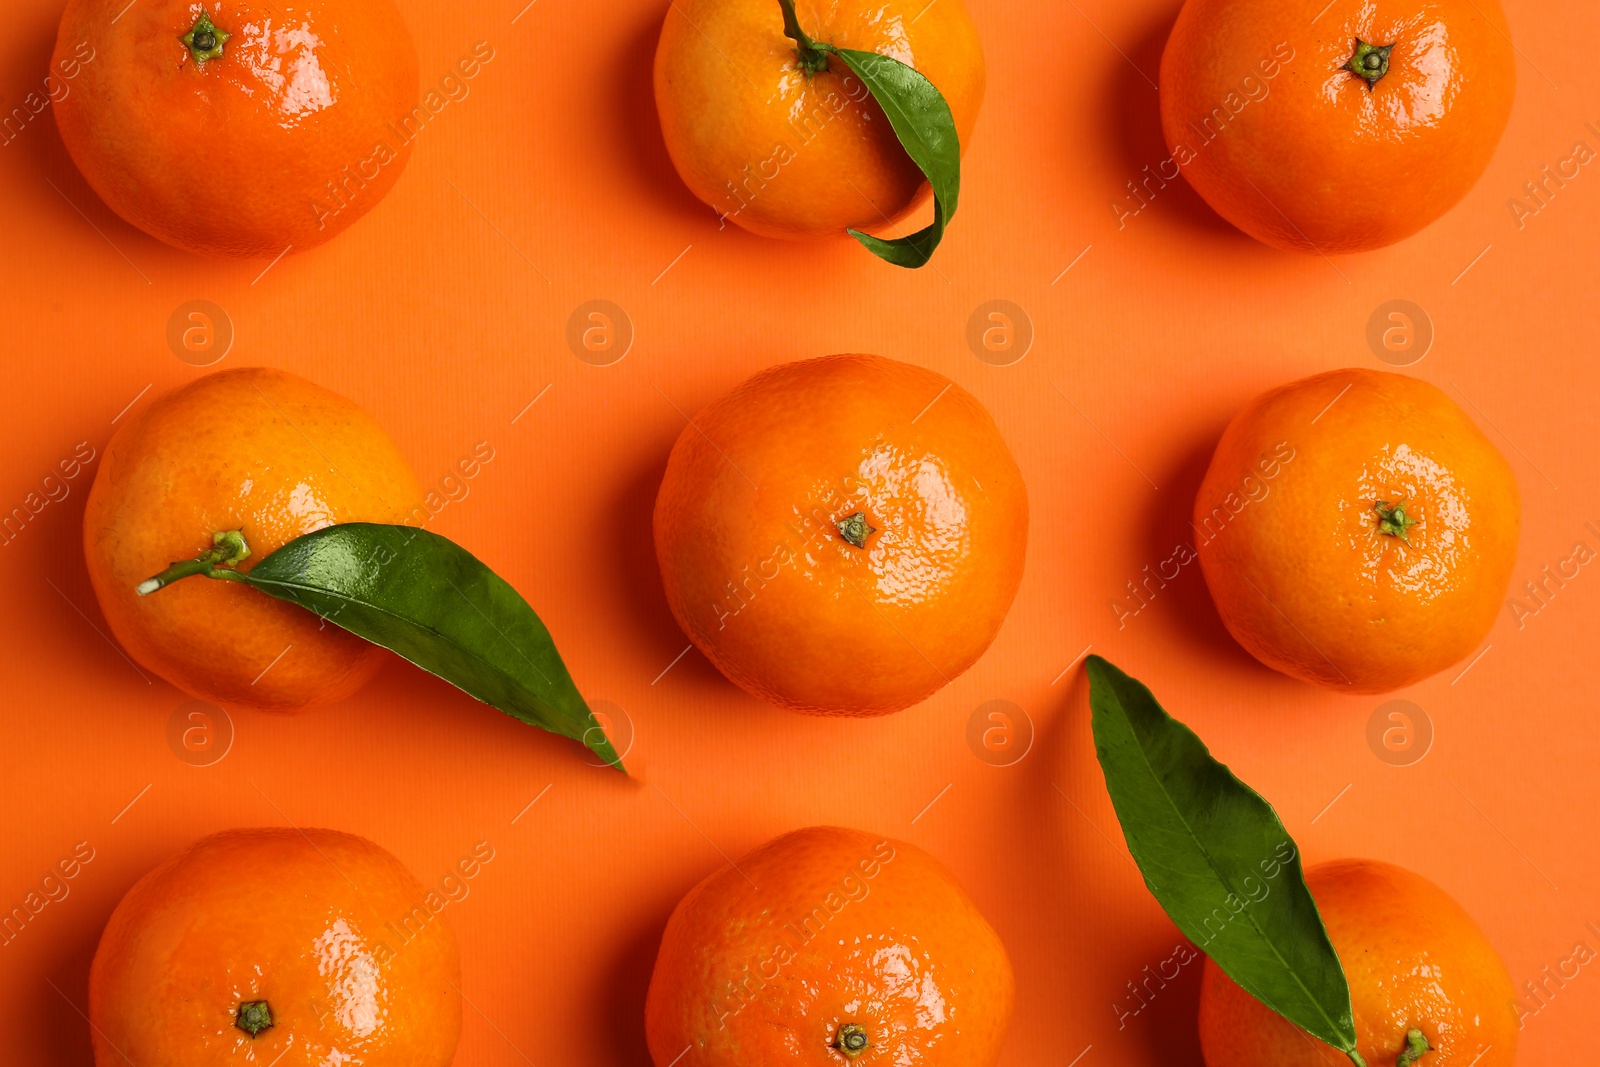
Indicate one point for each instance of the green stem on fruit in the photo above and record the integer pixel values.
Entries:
(253, 1017)
(854, 528)
(1355, 1058)
(204, 40)
(1393, 520)
(1370, 61)
(813, 55)
(1416, 1046)
(852, 1040)
(227, 549)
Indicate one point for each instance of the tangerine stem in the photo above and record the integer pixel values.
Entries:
(253, 1017)
(1355, 1058)
(854, 529)
(1416, 1046)
(227, 548)
(205, 40)
(852, 1040)
(1393, 520)
(813, 56)
(1370, 61)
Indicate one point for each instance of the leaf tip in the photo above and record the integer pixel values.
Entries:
(1101, 671)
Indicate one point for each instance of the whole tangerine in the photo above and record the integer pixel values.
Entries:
(259, 451)
(238, 127)
(1337, 131)
(786, 151)
(1426, 986)
(828, 946)
(277, 946)
(1357, 530)
(842, 536)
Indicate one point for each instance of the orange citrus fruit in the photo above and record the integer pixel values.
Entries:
(785, 152)
(829, 946)
(1357, 530)
(255, 450)
(842, 536)
(1415, 962)
(1340, 130)
(286, 947)
(238, 127)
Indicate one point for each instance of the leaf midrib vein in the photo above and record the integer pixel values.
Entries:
(1210, 862)
(322, 591)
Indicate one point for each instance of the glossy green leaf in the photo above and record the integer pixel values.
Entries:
(921, 119)
(433, 602)
(1217, 858)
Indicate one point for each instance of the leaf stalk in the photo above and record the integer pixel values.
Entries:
(813, 55)
(227, 549)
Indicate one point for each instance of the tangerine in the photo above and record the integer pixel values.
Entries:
(1357, 530)
(238, 127)
(255, 450)
(827, 946)
(277, 946)
(786, 148)
(842, 536)
(1426, 986)
(1341, 132)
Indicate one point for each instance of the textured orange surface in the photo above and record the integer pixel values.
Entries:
(543, 185)
(1335, 164)
(760, 577)
(252, 450)
(323, 926)
(1289, 552)
(786, 155)
(300, 125)
(820, 930)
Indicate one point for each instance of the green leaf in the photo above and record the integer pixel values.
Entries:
(434, 603)
(1217, 858)
(921, 119)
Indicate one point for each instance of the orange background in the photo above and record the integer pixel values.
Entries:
(444, 313)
